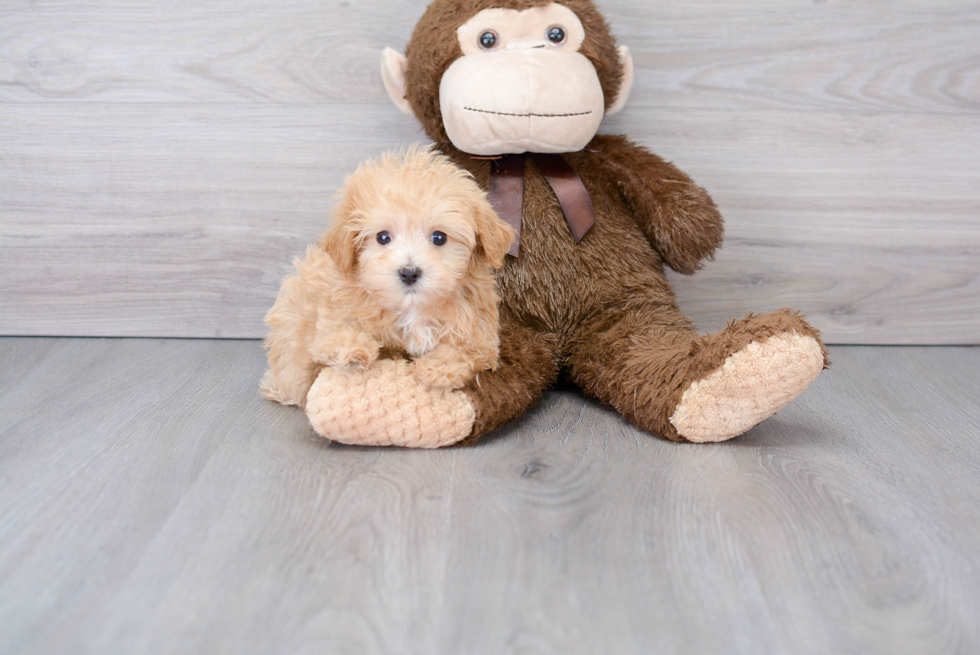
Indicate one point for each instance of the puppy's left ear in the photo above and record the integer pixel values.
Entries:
(494, 235)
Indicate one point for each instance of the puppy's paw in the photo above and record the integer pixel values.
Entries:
(357, 357)
(443, 368)
(345, 349)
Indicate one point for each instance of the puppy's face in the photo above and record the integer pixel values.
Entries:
(409, 227)
(414, 256)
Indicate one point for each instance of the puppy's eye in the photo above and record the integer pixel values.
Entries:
(439, 238)
(384, 238)
(488, 40)
(556, 35)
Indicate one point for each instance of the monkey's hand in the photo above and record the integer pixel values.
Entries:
(343, 406)
(344, 348)
(444, 367)
(678, 216)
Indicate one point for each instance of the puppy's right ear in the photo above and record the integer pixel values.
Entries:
(340, 242)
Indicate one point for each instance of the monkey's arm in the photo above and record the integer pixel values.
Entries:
(678, 216)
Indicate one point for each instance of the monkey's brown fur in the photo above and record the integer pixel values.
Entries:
(602, 309)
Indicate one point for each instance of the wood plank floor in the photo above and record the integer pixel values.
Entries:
(151, 502)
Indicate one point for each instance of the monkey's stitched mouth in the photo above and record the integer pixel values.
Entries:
(503, 113)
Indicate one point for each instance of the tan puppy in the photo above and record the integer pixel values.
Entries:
(405, 269)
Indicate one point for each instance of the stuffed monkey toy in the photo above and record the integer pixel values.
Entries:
(514, 92)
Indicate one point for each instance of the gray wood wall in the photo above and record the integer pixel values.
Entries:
(161, 162)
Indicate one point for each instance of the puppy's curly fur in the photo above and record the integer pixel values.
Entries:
(404, 270)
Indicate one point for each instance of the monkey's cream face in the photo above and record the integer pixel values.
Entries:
(521, 85)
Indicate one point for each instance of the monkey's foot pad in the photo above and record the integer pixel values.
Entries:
(387, 405)
(752, 385)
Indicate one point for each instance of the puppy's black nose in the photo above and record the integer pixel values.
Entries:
(410, 276)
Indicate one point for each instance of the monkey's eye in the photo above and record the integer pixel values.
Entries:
(488, 40)
(384, 238)
(556, 35)
(439, 238)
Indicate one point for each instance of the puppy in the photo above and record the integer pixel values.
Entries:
(404, 270)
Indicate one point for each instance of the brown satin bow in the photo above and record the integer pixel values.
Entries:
(507, 192)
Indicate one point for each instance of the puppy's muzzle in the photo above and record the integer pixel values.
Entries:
(409, 275)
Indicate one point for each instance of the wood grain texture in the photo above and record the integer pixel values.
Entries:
(181, 221)
(161, 163)
(151, 502)
(877, 55)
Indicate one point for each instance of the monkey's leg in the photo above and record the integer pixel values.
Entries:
(648, 364)
(528, 366)
(387, 405)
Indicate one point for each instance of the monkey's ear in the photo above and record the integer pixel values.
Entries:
(626, 61)
(495, 236)
(393, 65)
